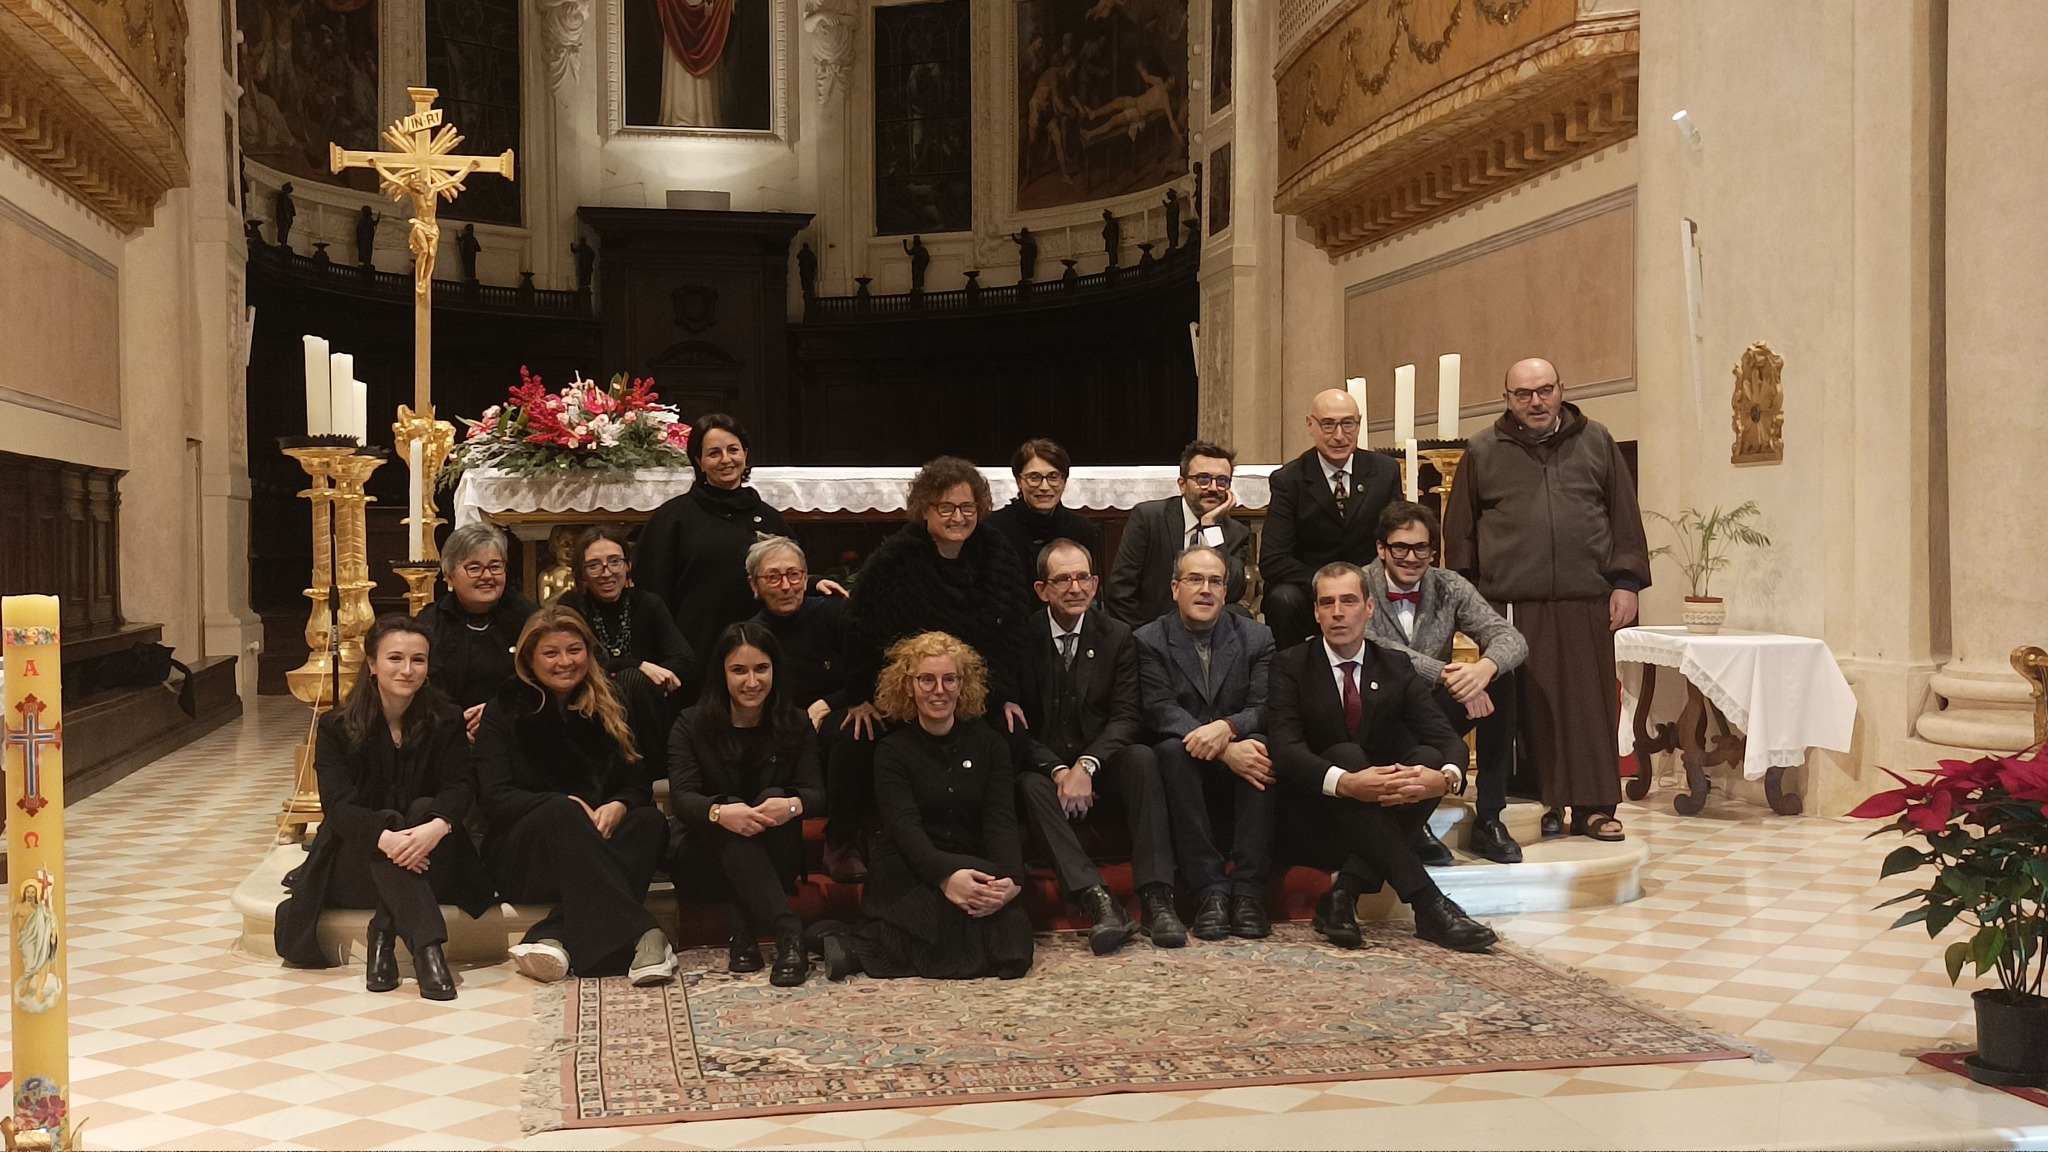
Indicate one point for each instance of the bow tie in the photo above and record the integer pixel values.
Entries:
(1414, 597)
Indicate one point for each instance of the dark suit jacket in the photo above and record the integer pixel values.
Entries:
(1105, 676)
(1140, 582)
(1401, 722)
(1303, 530)
(1170, 675)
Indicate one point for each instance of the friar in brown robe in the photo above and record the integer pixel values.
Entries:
(1543, 518)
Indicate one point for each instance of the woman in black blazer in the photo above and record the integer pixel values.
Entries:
(642, 650)
(742, 772)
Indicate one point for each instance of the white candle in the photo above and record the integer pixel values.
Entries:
(341, 368)
(1356, 386)
(1448, 398)
(1404, 403)
(416, 507)
(1411, 481)
(319, 409)
(359, 409)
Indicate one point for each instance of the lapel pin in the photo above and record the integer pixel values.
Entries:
(967, 763)
(1375, 685)
(1091, 653)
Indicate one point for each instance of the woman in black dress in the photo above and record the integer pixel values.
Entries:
(1037, 517)
(395, 784)
(476, 622)
(571, 819)
(941, 897)
(652, 667)
(742, 771)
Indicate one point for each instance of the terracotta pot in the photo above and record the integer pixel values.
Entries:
(2012, 1039)
(1704, 614)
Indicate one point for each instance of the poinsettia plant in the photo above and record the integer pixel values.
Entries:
(615, 428)
(1985, 824)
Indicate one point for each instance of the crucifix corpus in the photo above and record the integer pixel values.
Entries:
(423, 167)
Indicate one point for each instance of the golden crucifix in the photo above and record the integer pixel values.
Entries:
(423, 167)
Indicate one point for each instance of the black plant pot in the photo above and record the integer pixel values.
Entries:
(2012, 1039)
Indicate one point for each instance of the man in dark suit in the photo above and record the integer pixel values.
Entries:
(1357, 734)
(1079, 689)
(1160, 530)
(1203, 672)
(1325, 507)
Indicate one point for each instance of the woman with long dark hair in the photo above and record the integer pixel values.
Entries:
(743, 771)
(571, 819)
(650, 663)
(395, 785)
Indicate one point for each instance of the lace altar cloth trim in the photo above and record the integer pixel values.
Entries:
(1785, 694)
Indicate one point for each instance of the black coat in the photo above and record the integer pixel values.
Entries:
(693, 554)
(814, 651)
(1399, 722)
(1104, 679)
(1170, 675)
(702, 770)
(906, 587)
(1140, 588)
(471, 663)
(1304, 531)
(529, 749)
(652, 633)
(1029, 531)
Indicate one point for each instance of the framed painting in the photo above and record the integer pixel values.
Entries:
(1102, 98)
(698, 66)
(309, 77)
(924, 103)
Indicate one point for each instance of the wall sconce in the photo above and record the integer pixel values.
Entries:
(1686, 130)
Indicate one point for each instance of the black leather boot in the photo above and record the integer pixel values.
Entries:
(380, 964)
(1337, 918)
(1113, 928)
(792, 962)
(1212, 919)
(1162, 924)
(436, 982)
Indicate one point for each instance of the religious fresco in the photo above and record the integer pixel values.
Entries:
(924, 101)
(473, 61)
(698, 64)
(1220, 62)
(309, 77)
(1102, 98)
(1219, 190)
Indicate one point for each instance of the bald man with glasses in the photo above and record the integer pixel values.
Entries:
(1325, 509)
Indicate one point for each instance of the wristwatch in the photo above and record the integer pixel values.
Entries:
(1087, 764)
(715, 808)
(796, 807)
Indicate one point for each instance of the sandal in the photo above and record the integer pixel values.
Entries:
(1597, 826)
(1553, 823)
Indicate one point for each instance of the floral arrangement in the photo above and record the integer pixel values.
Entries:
(615, 428)
(1985, 823)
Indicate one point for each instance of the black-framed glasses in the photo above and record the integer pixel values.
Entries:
(1040, 479)
(600, 567)
(955, 511)
(785, 578)
(1331, 427)
(1410, 551)
(1207, 480)
(929, 681)
(1070, 580)
(1526, 395)
(476, 570)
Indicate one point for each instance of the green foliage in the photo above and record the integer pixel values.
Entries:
(1701, 542)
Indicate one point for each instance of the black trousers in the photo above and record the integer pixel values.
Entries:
(1251, 850)
(407, 902)
(650, 713)
(1496, 761)
(1377, 840)
(1290, 612)
(554, 854)
(849, 778)
(755, 873)
(1130, 781)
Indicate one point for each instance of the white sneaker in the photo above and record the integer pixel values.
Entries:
(651, 966)
(543, 960)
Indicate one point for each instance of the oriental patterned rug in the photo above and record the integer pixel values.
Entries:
(1288, 1009)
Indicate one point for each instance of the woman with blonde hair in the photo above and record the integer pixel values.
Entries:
(941, 895)
(572, 821)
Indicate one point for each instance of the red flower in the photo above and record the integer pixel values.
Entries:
(1933, 816)
(1888, 804)
(2021, 779)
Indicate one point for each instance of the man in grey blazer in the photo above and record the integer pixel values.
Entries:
(1202, 672)
(1418, 609)
(1158, 531)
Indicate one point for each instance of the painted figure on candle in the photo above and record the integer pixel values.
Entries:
(39, 987)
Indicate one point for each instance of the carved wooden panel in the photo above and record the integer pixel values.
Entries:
(60, 527)
(1759, 407)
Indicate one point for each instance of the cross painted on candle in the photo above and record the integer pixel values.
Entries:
(31, 738)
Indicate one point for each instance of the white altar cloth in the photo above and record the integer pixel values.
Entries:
(483, 493)
(1785, 694)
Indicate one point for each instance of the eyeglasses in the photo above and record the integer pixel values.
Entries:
(1205, 480)
(1040, 479)
(1347, 424)
(955, 511)
(1525, 395)
(1410, 551)
(609, 564)
(477, 571)
(1070, 580)
(790, 578)
(1200, 581)
(928, 681)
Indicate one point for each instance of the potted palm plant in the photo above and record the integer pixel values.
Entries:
(1985, 826)
(1700, 545)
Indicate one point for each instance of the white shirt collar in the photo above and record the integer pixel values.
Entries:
(1058, 631)
(1188, 520)
(1392, 586)
(1337, 661)
(1330, 470)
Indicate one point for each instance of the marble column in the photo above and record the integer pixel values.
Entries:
(1997, 294)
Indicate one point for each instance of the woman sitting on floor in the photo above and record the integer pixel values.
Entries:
(650, 663)
(742, 772)
(571, 819)
(395, 784)
(941, 894)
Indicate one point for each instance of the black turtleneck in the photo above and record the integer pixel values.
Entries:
(471, 653)
(1028, 530)
(693, 554)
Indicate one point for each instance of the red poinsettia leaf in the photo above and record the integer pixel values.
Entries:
(1881, 805)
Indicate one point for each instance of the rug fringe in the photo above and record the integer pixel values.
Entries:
(540, 1096)
(1642, 1003)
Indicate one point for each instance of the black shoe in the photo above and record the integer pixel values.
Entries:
(1553, 823)
(1337, 918)
(1430, 850)
(743, 954)
(1161, 924)
(380, 962)
(1113, 928)
(846, 859)
(839, 962)
(436, 982)
(1248, 918)
(1489, 839)
(1212, 919)
(792, 963)
(1439, 920)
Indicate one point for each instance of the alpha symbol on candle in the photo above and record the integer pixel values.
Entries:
(32, 738)
(29, 668)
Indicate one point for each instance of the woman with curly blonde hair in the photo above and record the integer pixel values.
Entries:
(941, 895)
(572, 821)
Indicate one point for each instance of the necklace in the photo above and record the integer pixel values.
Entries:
(598, 627)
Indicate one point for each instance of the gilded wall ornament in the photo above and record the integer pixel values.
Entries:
(1759, 407)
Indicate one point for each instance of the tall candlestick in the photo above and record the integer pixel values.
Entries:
(1449, 398)
(416, 507)
(32, 714)
(1356, 387)
(1411, 475)
(319, 409)
(1404, 403)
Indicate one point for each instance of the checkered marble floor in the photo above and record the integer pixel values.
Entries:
(1760, 926)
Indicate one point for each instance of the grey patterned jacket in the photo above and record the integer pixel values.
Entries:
(1450, 604)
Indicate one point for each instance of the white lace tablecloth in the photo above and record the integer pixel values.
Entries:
(1785, 694)
(484, 493)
